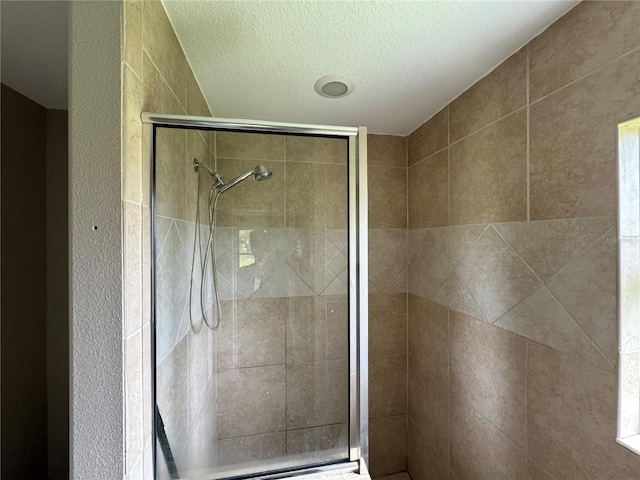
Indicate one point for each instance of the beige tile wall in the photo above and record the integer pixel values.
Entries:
(512, 261)
(307, 228)
(387, 304)
(157, 78)
(283, 345)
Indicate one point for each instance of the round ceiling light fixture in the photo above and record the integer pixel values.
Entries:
(334, 86)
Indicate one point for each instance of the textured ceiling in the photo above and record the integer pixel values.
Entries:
(34, 50)
(408, 59)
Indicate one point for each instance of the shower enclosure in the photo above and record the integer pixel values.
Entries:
(260, 297)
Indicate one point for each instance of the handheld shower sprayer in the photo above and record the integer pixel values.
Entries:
(259, 173)
(218, 187)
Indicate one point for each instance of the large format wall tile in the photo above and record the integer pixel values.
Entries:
(457, 241)
(496, 277)
(306, 395)
(431, 137)
(488, 173)
(423, 463)
(572, 421)
(478, 450)
(429, 192)
(162, 45)
(387, 256)
(306, 329)
(573, 142)
(132, 136)
(387, 197)
(536, 472)
(158, 96)
(306, 201)
(454, 294)
(501, 92)
(386, 151)
(318, 443)
(428, 268)
(488, 371)
(133, 35)
(199, 373)
(336, 191)
(429, 407)
(252, 333)
(429, 336)
(245, 390)
(548, 245)
(251, 203)
(172, 284)
(387, 445)
(387, 323)
(541, 318)
(249, 146)
(171, 384)
(316, 149)
(338, 385)
(387, 385)
(586, 287)
(587, 37)
(170, 173)
(253, 448)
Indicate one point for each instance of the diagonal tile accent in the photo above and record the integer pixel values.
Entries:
(336, 287)
(496, 277)
(415, 237)
(399, 283)
(548, 245)
(338, 264)
(387, 256)
(541, 318)
(453, 294)
(338, 237)
(172, 283)
(586, 287)
(429, 268)
(457, 241)
(305, 255)
(283, 283)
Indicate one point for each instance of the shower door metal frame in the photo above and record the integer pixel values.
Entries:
(358, 455)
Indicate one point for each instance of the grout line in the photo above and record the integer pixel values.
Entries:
(528, 144)
(428, 157)
(591, 72)
(135, 74)
(168, 85)
(526, 397)
(492, 424)
(284, 190)
(518, 255)
(448, 388)
(585, 334)
(491, 124)
(448, 166)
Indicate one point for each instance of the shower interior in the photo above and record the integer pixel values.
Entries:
(255, 335)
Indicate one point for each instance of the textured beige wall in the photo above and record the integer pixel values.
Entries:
(24, 305)
(512, 261)
(95, 255)
(387, 183)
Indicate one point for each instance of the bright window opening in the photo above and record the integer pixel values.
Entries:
(629, 285)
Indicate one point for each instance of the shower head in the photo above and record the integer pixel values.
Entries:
(259, 173)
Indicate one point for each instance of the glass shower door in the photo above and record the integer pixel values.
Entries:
(252, 363)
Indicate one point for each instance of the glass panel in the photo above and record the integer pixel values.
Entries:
(268, 389)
